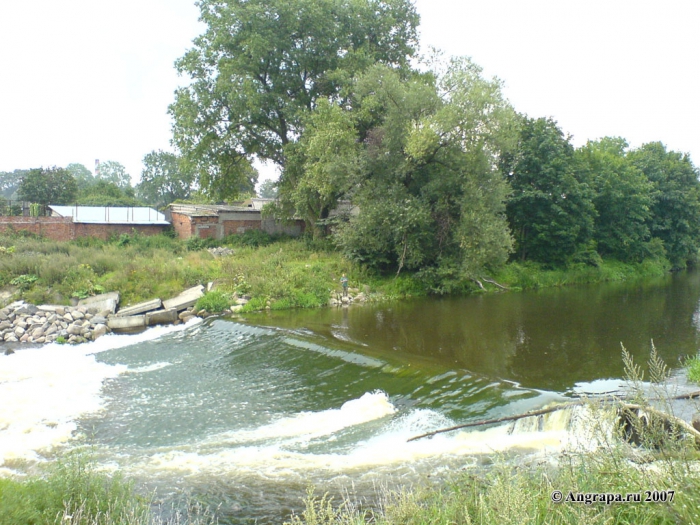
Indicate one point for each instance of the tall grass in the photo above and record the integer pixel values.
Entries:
(73, 492)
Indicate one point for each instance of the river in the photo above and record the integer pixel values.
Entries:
(243, 415)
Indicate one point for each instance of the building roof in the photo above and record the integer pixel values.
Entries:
(111, 214)
(208, 210)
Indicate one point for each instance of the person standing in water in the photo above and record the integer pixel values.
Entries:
(344, 284)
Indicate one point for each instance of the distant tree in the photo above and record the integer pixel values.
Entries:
(48, 186)
(82, 175)
(10, 182)
(112, 171)
(675, 210)
(550, 210)
(104, 193)
(268, 189)
(164, 179)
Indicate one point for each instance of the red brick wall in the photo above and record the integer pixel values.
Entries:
(55, 228)
(63, 229)
(233, 227)
(182, 225)
(105, 231)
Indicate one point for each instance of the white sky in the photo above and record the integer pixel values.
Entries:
(89, 79)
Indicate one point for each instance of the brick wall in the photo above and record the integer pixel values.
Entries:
(55, 228)
(63, 228)
(182, 225)
(233, 227)
(105, 231)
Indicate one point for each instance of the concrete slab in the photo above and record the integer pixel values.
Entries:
(132, 323)
(161, 317)
(98, 303)
(185, 299)
(140, 308)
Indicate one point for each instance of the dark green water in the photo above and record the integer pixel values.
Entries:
(245, 414)
(550, 339)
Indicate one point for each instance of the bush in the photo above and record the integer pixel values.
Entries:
(213, 302)
(692, 367)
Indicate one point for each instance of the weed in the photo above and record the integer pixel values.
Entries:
(213, 302)
(692, 366)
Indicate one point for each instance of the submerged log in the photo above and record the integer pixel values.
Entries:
(499, 420)
(626, 413)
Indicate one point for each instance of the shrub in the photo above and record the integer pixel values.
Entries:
(213, 302)
(692, 367)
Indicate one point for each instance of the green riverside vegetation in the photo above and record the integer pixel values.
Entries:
(278, 273)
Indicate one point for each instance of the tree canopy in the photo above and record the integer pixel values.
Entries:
(112, 171)
(48, 186)
(164, 179)
(261, 65)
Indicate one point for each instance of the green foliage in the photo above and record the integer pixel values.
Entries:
(214, 302)
(10, 182)
(72, 492)
(164, 179)
(675, 210)
(261, 65)
(268, 189)
(48, 186)
(623, 199)
(24, 281)
(428, 193)
(551, 209)
(692, 366)
(107, 193)
(321, 165)
(113, 172)
(81, 174)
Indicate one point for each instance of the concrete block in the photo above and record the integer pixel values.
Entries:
(185, 299)
(141, 308)
(161, 317)
(132, 323)
(98, 303)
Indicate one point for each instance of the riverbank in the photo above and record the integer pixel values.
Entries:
(253, 271)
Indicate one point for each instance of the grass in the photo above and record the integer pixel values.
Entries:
(73, 492)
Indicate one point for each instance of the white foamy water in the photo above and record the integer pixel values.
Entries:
(45, 390)
(555, 432)
(310, 425)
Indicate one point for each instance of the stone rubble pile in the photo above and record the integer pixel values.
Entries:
(93, 317)
(26, 323)
(220, 251)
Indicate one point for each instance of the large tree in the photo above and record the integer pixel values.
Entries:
(622, 197)
(427, 186)
(261, 66)
(48, 186)
(675, 211)
(551, 209)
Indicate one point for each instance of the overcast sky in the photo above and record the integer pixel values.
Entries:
(89, 79)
